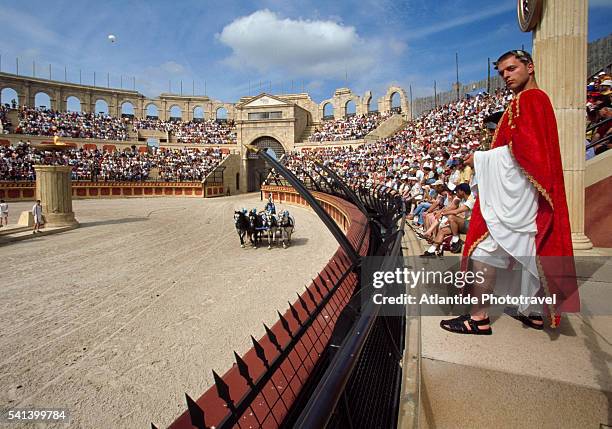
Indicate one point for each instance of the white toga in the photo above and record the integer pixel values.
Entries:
(509, 205)
(37, 213)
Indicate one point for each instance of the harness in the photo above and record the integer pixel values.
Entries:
(288, 222)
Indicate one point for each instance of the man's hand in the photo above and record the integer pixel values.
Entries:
(469, 160)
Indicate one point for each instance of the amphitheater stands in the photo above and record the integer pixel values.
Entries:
(350, 128)
(47, 122)
(194, 132)
(16, 163)
(426, 149)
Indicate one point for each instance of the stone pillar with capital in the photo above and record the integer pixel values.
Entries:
(560, 57)
(54, 190)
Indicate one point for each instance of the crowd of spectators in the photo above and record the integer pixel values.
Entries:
(350, 128)
(172, 165)
(47, 122)
(599, 109)
(193, 132)
(430, 148)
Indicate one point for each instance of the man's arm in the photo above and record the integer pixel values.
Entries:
(462, 208)
(433, 206)
(452, 206)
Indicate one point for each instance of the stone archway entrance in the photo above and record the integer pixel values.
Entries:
(257, 168)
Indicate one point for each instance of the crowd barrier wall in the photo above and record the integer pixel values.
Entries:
(26, 191)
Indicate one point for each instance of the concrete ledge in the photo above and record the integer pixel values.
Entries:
(13, 229)
(410, 391)
(455, 395)
(22, 235)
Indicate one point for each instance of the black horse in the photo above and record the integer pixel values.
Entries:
(242, 225)
(256, 224)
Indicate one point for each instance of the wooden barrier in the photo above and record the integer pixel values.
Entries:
(26, 191)
(214, 190)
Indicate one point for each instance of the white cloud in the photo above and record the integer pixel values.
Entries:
(460, 20)
(264, 41)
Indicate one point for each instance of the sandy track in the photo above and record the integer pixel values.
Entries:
(118, 319)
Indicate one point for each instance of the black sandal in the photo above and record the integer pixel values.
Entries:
(526, 320)
(457, 325)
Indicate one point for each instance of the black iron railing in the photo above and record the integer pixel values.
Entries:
(326, 353)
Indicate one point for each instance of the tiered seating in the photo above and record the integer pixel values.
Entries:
(350, 128)
(16, 163)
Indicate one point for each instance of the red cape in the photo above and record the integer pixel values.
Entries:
(529, 128)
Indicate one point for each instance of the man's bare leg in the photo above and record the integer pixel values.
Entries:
(454, 224)
(442, 232)
(489, 274)
(428, 219)
(431, 231)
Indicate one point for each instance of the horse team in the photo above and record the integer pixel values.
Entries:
(256, 225)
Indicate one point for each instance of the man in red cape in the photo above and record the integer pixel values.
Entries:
(537, 228)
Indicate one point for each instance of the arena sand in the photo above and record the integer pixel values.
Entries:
(116, 320)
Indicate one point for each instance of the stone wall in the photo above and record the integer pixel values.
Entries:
(59, 92)
(232, 164)
(387, 128)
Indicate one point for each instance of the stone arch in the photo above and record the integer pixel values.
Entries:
(152, 110)
(8, 94)
(350, 107)
(396, 102)
(221, 113)
(126, 108)
(367, 106)
(256, 167)
(73, 104)
(387, 102)
(324, 107)
(175, 112)
(271, 140)
(41, 98)
(198, 113)
(101, 106)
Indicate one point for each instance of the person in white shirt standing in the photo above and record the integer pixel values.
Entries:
(3, 213)
(37, 213)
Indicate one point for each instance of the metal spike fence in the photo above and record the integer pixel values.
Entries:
(265, 386)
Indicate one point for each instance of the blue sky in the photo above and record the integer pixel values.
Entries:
(234, 45)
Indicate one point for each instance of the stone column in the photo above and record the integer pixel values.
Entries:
(54, 190)
(560, 56)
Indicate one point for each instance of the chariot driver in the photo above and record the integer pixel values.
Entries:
(519, 233)
(270, 207)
